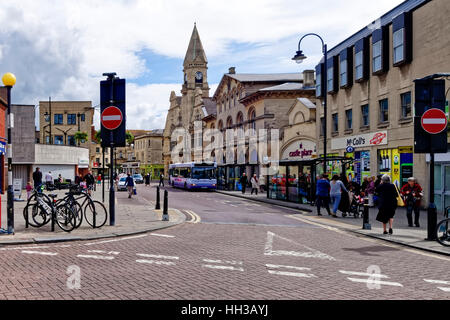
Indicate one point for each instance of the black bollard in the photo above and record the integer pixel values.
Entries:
(165, 216)
(366, 224)
(158, 202)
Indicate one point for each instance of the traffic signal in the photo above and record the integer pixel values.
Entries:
(118, 98)
(429, 94)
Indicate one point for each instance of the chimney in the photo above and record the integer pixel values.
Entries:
(232, 70)
(308, 78)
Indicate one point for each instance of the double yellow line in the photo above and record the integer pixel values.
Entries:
(195, 218)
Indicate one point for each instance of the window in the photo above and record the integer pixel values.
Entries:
(97, 160)
(335, 122)
(384, 111)
(319, 80)
(359, 65)
(398, 45)
(322, 126)
(332, 74)
(349, 119)
(330, 80)
(47, 139)
(83, 117)
(377, 57)
(71, 119)
(251, 118)
(71, 140)
(406, 104)
(365, 115)
(59, 140)
(362, 60)
(229, 122)
(47, 117)
(343, 73)
(58, 119)
(97, 150)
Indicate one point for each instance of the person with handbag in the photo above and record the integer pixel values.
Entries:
(412, 195)
(387, 202)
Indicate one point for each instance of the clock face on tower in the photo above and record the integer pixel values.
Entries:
(198, 76)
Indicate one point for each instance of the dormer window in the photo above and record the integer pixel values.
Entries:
(332, 75)
(362, 60)
(380, 50)
(346, 68)
(402, 39)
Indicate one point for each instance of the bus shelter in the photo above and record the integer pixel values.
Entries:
(295, 181)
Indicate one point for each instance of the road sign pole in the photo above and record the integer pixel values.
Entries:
(112, 197)
(432, 211)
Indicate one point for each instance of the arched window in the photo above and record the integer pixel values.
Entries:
(251, 118)
(240, 119)
(229, 122)
(220, 125)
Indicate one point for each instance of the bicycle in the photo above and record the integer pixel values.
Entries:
(93, 211)
(44, 210)
(443, 229)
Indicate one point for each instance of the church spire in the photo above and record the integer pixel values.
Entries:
(195, 52)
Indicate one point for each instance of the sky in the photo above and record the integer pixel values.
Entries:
(61, 48)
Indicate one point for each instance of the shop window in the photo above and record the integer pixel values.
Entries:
(349, 119)
(402, 39)
(335, 123)
(384, 111)
(365, 115)
(406, 104)
(71, 140)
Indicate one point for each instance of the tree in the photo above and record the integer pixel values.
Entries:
(81, 136)
(98, 136)
(129, 137)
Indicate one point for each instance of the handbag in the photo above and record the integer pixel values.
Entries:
(400, 202)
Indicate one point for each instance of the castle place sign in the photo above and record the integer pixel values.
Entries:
(300, 150)
(360, 141)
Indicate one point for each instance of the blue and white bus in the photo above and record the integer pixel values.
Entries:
(193, 175)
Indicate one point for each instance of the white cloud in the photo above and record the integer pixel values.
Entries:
(61, 48)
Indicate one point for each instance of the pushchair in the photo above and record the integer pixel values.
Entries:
(356, 205)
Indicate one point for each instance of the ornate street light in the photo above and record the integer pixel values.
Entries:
(298, 58)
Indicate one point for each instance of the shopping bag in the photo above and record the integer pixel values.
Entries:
(400, 202)
(134, 191)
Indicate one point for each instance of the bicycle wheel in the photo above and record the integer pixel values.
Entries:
(65, 218)
(97, 209)
(40, 206)
(443, 232)
(78, 212)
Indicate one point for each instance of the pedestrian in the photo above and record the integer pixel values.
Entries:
(60, 179)
(370, 190)
(90, 182)
(255, 184)
(412, 195)
(161, 180)
(49, 180)
(129, 183)
(262, 182)
(29, 188)
(387, 202)
(37, 178)
(336, 189)
(244, 181)
(99, 179)
(323, 194)
(364, 185)
(147, 179)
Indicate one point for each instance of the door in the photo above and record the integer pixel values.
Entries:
(442, 186)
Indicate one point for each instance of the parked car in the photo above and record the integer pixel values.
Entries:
(121, 185)
(138, 179)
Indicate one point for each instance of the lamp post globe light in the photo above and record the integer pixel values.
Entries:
(9, 80)
(298, 58)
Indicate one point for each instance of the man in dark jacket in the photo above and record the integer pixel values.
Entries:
(37, 178)
(412, 194)
(90, 182)
(244, 182)
(129, 183)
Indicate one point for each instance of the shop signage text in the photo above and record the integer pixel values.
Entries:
(362, 140)
(300, 150)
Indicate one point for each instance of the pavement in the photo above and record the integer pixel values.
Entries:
(404, 235)
(133, 216)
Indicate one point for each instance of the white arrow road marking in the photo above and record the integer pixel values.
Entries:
(87, 256)
(275, 266)
(105, 252)
(40, 253)
(220, 261)
(167, 263)
(376, 282)
(157, 256)
(445, 289)
(222, 267)
(311, 253)
(115, 240)
(364, 274)
(292, 274)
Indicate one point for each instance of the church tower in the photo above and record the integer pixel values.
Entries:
(195, 67)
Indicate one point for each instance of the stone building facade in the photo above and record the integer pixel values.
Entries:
(371, 92)
(148, 149)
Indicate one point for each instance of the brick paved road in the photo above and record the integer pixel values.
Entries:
(232, 253)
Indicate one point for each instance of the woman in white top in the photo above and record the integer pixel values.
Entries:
(335, 192)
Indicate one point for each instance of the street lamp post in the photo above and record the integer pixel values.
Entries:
(9, 80)
(299, 57)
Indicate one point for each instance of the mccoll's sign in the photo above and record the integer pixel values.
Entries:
(362, 140)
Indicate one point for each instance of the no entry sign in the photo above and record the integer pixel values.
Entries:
(434, 121)
(112, 118)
